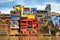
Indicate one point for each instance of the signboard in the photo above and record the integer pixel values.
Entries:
(13, 16)
(34, 10)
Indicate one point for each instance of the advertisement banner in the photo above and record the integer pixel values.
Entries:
(33, 10)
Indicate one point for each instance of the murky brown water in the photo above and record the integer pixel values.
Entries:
(29, 38)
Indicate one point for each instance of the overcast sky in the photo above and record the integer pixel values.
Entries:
(7, 5)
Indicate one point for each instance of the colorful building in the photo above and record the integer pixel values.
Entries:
(28, 26)
(4, 24)
(19, 8)
(14, 22)
(28, 22)
(41, 14)
(26, 11)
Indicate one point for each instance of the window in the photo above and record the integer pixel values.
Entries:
(30, 22)
(23, 21)
(21, 31)
(33, 32)
(35, 27)
(23, 27)
(29, 32)
(29, 26)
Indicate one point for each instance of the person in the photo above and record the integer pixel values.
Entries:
(57, 28)
(49, 27)
(53, 31)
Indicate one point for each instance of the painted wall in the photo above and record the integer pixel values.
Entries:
(55, 19)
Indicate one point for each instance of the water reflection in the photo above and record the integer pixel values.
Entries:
(29, 38)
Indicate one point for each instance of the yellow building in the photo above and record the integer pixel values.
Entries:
(19, 8)
(14, 24)
(29, 16)
(14, 30)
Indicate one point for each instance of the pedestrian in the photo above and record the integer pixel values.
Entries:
(50, 26)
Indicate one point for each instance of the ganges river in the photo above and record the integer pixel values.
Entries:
(29, 37)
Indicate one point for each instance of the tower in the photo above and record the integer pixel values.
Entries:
(48, 7)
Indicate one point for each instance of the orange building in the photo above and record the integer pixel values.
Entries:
(28, 26)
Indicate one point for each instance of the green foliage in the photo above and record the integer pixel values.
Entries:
(41, 29)
(53, 30)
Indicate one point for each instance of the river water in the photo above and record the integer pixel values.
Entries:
(29, 38)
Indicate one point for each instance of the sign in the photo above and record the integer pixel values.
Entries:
(13, 16)
(34, 10)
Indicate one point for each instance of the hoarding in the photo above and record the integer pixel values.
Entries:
(34, 10)
(13, 16)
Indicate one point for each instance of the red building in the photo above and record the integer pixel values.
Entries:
(28, 26)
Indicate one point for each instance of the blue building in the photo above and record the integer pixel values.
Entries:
(56, 20)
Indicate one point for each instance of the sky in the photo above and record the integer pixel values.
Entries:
(7, 5)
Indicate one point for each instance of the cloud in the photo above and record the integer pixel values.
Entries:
(39, 4)
(6, 10)
(6, 0)
(41, 7)
(55, 7)
(7, 3)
